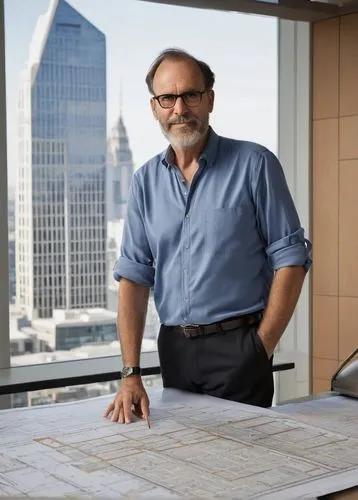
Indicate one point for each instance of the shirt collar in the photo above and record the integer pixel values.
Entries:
(208, 154)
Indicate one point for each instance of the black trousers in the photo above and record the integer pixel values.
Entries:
(230, 365)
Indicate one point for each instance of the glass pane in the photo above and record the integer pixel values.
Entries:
(79, 124)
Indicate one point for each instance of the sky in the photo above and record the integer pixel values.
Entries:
(241, 49)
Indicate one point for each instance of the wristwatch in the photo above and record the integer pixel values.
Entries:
(127, 371)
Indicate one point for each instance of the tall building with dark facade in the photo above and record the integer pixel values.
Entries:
(61, 190)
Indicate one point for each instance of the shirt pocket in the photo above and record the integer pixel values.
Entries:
(225, 229)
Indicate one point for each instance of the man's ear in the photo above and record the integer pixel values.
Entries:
(211, 99)
(154, 110)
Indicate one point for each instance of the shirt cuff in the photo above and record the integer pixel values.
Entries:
(292, 250)
(134, 271)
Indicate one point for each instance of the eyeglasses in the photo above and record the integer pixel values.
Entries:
(191, 98)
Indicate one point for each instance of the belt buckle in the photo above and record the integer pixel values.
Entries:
(190, 329)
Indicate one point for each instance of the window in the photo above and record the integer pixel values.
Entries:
(60, 152)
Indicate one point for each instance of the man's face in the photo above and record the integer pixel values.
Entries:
(183, 125)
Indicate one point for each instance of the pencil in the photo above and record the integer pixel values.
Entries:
(148, 422)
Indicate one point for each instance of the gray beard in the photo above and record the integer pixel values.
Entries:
(186, 141)
(182, 141)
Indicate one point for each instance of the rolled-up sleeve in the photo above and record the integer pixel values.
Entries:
(135, 261)
(277, 218)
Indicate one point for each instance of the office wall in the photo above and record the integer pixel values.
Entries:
(335, 195)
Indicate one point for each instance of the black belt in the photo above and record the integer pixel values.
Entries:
(192, 331)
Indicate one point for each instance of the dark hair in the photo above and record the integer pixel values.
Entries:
(177, 54)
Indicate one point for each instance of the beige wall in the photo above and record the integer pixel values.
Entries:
(335, 195)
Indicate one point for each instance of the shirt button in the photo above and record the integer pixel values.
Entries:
(187, 216)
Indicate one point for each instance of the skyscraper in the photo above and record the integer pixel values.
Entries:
(61, 190)
(119, 172)
(120, 169)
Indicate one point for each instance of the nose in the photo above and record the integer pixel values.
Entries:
(180, 106)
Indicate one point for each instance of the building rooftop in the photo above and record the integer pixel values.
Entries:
(18, 330)
(75, 317)
(83, 352)
(44, 357)
(16, 334)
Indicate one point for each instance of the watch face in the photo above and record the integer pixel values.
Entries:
(130, 370)
(127, 370)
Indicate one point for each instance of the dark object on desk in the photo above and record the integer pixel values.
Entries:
(345, 380)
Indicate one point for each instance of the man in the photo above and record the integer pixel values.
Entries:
(212, 227)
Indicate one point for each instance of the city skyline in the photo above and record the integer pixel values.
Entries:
(242, 53)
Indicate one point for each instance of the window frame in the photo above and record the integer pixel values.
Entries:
(294, 10)
(294, 151)
(301, 320)
(4, 244)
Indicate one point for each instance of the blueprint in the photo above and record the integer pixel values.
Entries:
(197, 446)
(335, 413)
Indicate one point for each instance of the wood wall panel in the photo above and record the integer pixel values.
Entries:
(325, 207)
(348, 228)
(325, 327)
(335, 195)
(326, 69)
(348, 65)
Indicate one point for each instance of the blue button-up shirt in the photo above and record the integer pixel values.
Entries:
(210, 248)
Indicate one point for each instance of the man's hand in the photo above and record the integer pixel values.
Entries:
(130, 398)
(284, 294)
(268, 348)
